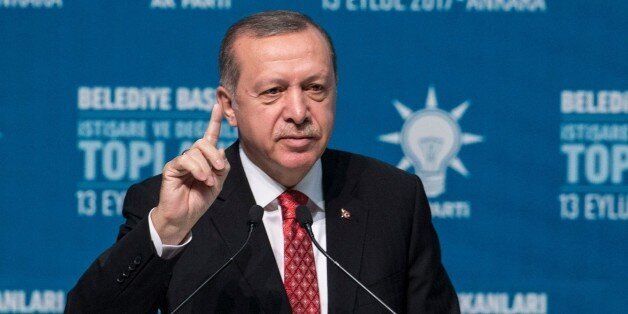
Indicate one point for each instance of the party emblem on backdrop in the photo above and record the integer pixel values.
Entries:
(431, 139)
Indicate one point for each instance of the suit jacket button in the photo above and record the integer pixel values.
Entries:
(137, 260)
(131, 267)
(125, 273)
(119, 280)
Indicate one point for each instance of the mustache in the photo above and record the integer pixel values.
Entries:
(302, 130)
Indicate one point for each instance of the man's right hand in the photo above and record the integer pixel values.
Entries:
(190, 184)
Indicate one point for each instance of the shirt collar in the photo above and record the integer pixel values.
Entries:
(265, 189)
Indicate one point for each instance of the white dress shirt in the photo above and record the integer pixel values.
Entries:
(266, 191)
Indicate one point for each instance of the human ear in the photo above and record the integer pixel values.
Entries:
(227, 101)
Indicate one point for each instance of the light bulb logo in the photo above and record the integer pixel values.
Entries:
(431, 139)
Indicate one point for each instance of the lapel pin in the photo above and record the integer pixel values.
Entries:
(345, 213)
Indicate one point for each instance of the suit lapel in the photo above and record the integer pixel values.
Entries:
(229, 216)
(345, 236)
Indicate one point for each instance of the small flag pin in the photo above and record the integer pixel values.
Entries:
(345, 213)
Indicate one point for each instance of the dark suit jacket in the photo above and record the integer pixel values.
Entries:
(389, 243)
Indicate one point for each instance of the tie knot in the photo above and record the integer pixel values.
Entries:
(289, 200)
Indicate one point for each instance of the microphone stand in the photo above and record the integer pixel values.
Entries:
(255, 217)
(305, 218)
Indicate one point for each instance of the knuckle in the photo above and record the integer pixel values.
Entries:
(212, 137)
(197, 156)
(167, 166)
(210, 147)
(179, 161)
(206, 167)
(187, 163)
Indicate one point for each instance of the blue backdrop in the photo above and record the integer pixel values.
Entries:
(514, 113)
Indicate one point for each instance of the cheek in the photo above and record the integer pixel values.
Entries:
(262, 121)
(324, 115)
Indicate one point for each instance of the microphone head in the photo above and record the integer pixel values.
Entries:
(255, 215)
(304, 216)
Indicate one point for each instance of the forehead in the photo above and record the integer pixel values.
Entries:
(288, 51)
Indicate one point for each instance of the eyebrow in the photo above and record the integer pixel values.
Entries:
(315, 77)
(280, 81)
(263, 82)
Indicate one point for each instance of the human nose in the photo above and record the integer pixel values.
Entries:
(295, 110)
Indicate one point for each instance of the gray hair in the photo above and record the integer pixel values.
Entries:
(263, 24)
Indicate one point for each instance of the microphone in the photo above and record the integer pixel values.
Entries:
(305, 219)
(255, 217)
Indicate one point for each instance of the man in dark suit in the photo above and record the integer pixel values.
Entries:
(278, 86)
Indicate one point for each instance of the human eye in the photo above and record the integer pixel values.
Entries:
(317, 91)
(316, 88)
(272, 91)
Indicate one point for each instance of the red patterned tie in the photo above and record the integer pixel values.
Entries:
(299, 268)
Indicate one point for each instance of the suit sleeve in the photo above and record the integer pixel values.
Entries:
(129, 276)
(429, 287)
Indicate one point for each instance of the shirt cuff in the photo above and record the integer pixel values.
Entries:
(165, 251)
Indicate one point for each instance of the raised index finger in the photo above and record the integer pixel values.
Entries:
(213, 129)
